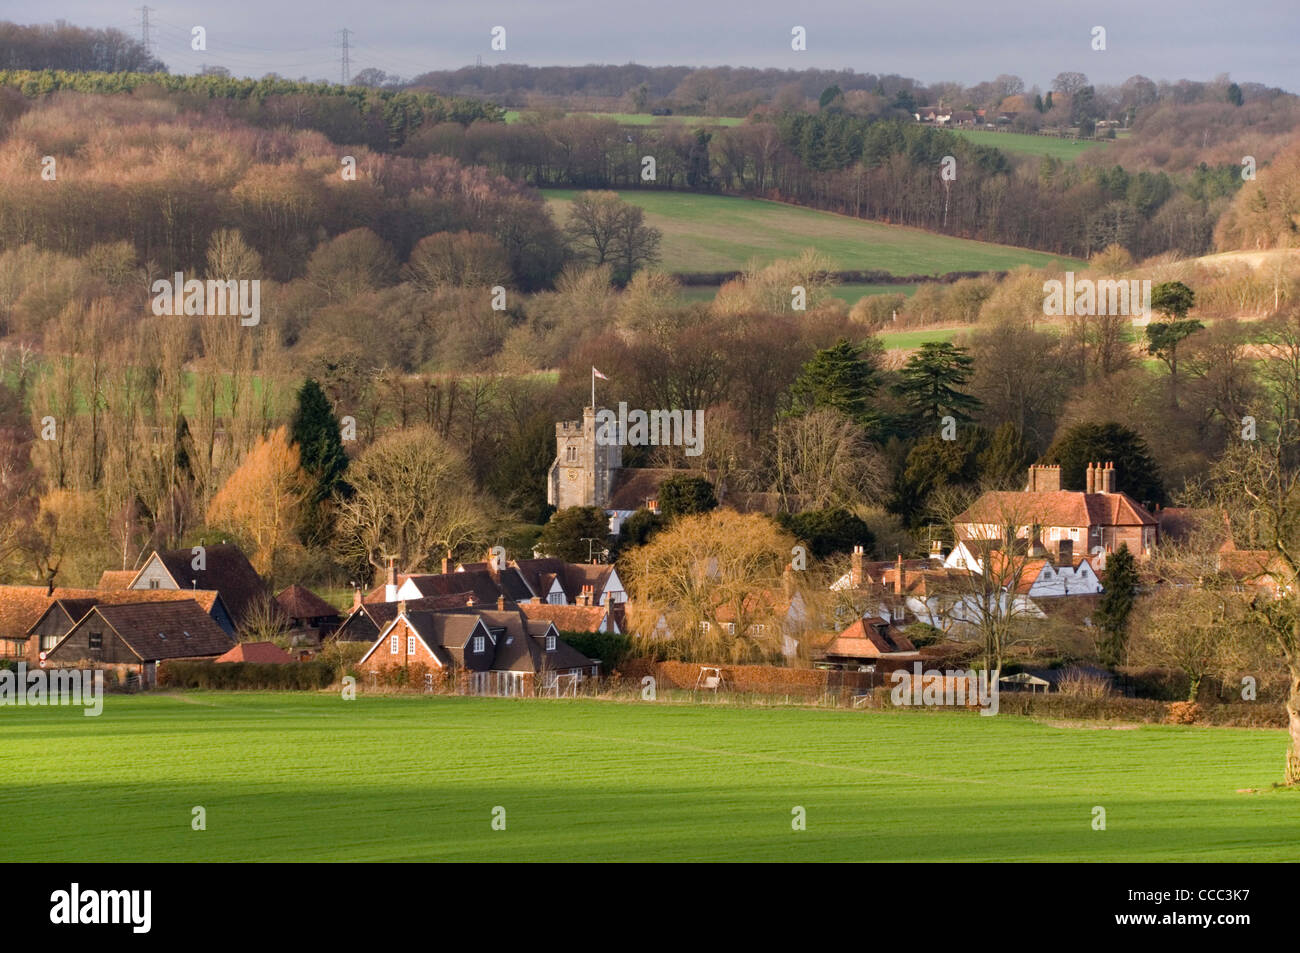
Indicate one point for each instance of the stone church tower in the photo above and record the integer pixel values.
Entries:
(583, 471)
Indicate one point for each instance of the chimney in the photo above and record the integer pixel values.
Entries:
(1044, 478)
(446, 563)
(401, 607)
(855, 568)
(390, 582)
(501, 603)
(936, 550)
(1109, 474)
(900, 579)
(356, 597)
(1091, 483)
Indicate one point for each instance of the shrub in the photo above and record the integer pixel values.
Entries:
(609, 647)
(296, 676)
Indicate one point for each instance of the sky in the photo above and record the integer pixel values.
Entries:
(1253, 41)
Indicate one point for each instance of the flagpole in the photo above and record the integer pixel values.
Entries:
(593, 388)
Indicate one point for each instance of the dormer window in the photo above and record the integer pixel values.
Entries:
(478, 643)
(550, 643)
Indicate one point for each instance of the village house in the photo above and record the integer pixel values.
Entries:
(869, 642)
(499, 652)
(138, 636)
(367, 619)
(1096, 520)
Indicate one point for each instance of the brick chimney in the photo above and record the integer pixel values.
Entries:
(501, 603)
(900, 583)
(855, 567)
(390, 582)
(356, 597)
(401, 607)
(584, 597)
(446, 563)
(1090, 482)
(1107, 478)
(1044, 478)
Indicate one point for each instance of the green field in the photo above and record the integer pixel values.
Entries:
(647, 119)
(849, 292)
(704, 233)
(1020, 143)
(303, 777)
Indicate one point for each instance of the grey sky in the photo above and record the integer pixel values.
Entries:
(1035, 39)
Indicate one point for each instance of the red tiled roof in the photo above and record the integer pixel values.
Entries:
(1058, 508)
(567, 618)
(299, 602)
(262, 653)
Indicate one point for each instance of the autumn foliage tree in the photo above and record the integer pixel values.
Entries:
(262, 500)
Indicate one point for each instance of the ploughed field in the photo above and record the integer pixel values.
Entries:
(718, 233)
(312, 777)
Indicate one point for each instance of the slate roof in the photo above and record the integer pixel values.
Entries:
(160, 630)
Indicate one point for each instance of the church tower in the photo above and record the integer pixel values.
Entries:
(583, 471)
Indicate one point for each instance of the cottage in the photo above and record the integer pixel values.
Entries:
(259, 653)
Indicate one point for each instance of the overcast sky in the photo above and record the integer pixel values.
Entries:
(1254, 41)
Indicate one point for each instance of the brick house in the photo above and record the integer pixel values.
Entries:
(1098, 519)
(490, 652)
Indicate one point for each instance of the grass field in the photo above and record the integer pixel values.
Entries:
(1019, 143)
(850, 292)
(647, 119)
(705, 233)
(302, 777)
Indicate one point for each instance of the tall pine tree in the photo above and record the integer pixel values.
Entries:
(315, 431)
(1116, 603)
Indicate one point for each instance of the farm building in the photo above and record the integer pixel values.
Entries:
(221, 566)
(138, 636)
(306, 610)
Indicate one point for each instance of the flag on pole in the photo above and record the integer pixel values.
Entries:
(599, 374)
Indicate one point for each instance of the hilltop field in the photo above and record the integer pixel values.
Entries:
(712, 233)
(310, 777)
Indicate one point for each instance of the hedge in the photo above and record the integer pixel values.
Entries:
(296, 676)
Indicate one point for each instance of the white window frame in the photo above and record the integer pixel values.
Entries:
(550, 643)
(410, 645)
(479, 643)
(394, 643)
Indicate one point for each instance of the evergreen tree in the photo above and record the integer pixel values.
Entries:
(1116, 603)
(685, 496)
(575, 534)
(315, 432)
(1138, 475)
(843, 377)
(931, 386)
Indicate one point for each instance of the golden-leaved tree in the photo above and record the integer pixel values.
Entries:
(262, 500)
